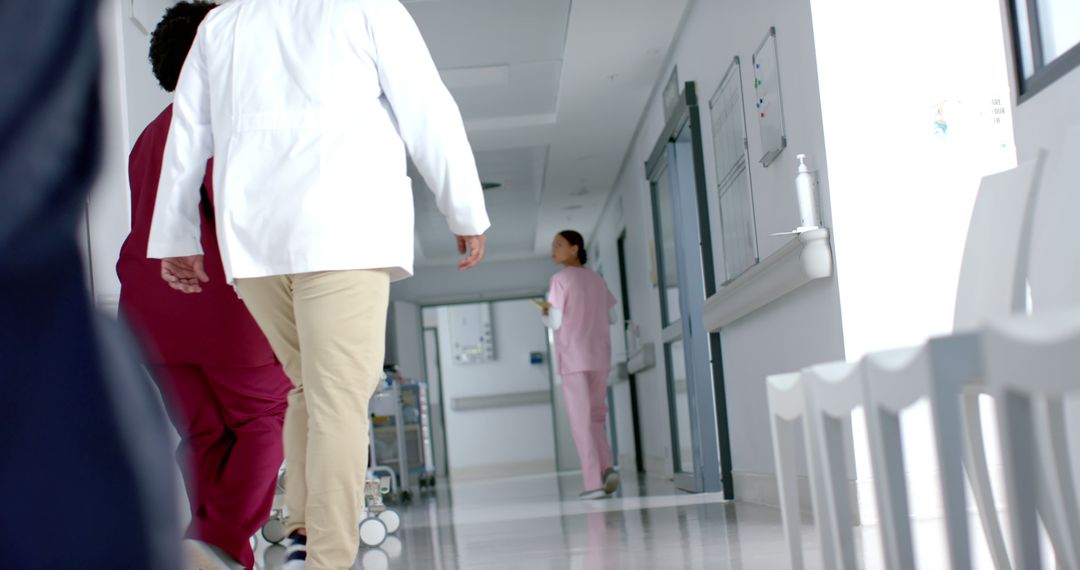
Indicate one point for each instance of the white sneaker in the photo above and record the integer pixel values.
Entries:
(204, 556)
(594, 494)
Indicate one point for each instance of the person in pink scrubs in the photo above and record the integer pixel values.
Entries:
(578, 309)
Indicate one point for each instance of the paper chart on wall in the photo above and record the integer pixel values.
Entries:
(769, 103)
(737, 217)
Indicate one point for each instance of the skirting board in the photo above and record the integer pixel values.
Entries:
(761, 489)
(503, 470)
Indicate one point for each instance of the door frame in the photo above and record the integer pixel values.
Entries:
(706, 392)
(547, 363)
(635, 415)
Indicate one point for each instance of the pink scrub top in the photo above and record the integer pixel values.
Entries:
(583, 341)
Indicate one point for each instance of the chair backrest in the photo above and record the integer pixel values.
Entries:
(785, 395)
(993, 271)
(835, 387)
(1054, 261)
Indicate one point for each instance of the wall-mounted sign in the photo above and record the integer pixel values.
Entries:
(471, 333)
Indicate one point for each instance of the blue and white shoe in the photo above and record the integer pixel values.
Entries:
(296, 552)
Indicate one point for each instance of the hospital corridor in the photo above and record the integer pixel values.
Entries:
(540, 284)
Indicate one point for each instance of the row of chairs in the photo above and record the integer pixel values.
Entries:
(1026, 358)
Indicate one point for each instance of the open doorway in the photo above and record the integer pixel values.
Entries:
(490, 361)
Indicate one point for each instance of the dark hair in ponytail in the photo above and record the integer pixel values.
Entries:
(574, 238)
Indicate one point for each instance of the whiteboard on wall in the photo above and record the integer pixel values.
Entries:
(769, 103)
(737, 218)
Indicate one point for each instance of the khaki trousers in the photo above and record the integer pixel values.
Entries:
(328, 330)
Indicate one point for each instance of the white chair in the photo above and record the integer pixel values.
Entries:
(787, 406)
(991, 285)
(1032, 365)
(895, 381)
(1030, 361)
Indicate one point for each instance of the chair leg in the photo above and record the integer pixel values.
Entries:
(890, 489)
(1017, 440)
(783, 436)
(832, 507)
(837, 481)
(819, 492)
(1057, 495)
(945, 409)
(978, 473)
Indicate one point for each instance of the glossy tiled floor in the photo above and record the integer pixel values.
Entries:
(538, 523)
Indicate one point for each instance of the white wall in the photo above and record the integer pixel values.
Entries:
(1042, 121)
(902, 189)
(901, 192)
(770, 340)
(132, 98)
(517, 439)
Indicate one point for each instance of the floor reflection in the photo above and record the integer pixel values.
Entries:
(538, 523)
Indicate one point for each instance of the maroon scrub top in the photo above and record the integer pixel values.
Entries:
(213, 327)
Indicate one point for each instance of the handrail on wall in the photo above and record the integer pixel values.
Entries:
(805, 258)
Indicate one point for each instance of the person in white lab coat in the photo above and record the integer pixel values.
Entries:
(309, 108)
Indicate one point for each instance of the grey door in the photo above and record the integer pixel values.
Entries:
(685, 277)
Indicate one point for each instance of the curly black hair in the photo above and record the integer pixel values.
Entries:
(172, 39)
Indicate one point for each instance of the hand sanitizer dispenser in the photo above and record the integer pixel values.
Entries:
(806, 195)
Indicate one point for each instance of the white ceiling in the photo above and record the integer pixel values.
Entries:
(551, 92)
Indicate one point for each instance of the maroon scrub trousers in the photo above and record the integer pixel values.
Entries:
(225, 391)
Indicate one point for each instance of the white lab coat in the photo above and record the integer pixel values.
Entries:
(307, 107)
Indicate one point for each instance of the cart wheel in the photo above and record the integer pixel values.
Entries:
(274, 530)
(391, 520)
(375, 560)
(406, 497)
(392, 547)
(274, 557)
(372, 532)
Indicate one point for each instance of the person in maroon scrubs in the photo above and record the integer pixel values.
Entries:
(225, 390)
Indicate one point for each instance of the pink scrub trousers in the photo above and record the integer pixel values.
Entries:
(586, 404)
